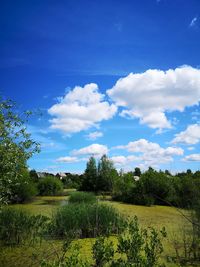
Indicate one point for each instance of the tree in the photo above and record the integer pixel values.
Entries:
(50, 186)
(33, 176)
(106, 174)
(16, 147)
(137, 172)
(90, 176)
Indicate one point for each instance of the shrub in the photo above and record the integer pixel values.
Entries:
(82, 197)
(17, 226)
(86, 220)
(135, 247)
(24, 191)
(50, 186)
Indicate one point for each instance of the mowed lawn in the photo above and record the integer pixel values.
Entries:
(156, 216)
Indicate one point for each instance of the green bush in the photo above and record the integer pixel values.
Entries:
(86, 220)
(24, 191)
(82, 197)
(134, 247)
(17, 226)
(50, 186)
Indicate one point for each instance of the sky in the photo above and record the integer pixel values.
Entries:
(112, 77)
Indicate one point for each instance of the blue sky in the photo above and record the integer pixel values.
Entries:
(115, 77)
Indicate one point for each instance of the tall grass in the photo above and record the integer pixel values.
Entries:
(17, 226)
(82, 197)
(86, 220)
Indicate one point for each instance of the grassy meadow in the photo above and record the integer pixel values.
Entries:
(31, 254)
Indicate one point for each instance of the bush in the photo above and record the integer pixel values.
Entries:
(24, 191)
(82, 197)
(50, 186)
(86, 220)
(17, 226)
(135, 247)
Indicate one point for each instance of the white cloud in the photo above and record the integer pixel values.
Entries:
(190, 136)
(94, 135)
(80, 109)
(124, 160)
(193, 22)
(151, 154)
(67, 159)
(94, 149)
(149, 95)
(192, 157)
(190, 148)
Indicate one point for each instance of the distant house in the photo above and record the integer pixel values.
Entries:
(61, 175)
(43, 174)
(40, 174)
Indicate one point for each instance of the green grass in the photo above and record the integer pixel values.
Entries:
(156, 216)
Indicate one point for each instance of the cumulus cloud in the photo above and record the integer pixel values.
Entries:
(94, 149)
(67, 159)
(192, 157)
(94, 135)
(124, 160)
(190, 136)
(151, 154)
(149, 95)
(80, 109)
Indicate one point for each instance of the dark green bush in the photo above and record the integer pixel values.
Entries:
(17, 226)
(82, 197)
(24, 191)
(86, 220)
(50, 186)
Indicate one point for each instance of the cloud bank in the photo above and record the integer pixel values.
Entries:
(151, 94)
(150, 154)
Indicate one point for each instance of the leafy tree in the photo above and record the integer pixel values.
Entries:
(33, 176)
(106, 174)
(123, 186)
(90, 176)
(24, 190)
(137, 172)
(50, 186)
(16, 147)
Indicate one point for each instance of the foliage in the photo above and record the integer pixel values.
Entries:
(82, 197)
(17, 226)
(136, 247)
(66, 259)
(50, 186)
(106, 174)
(16, 147)
(90, 176)
(137, 172)
(101, 178)
(123, 186)
(86, 220)
(103, 251)
(72, 181)
(24, 190)
(33, 176)
(158, 188)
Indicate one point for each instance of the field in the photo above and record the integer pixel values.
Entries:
(31, 254)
